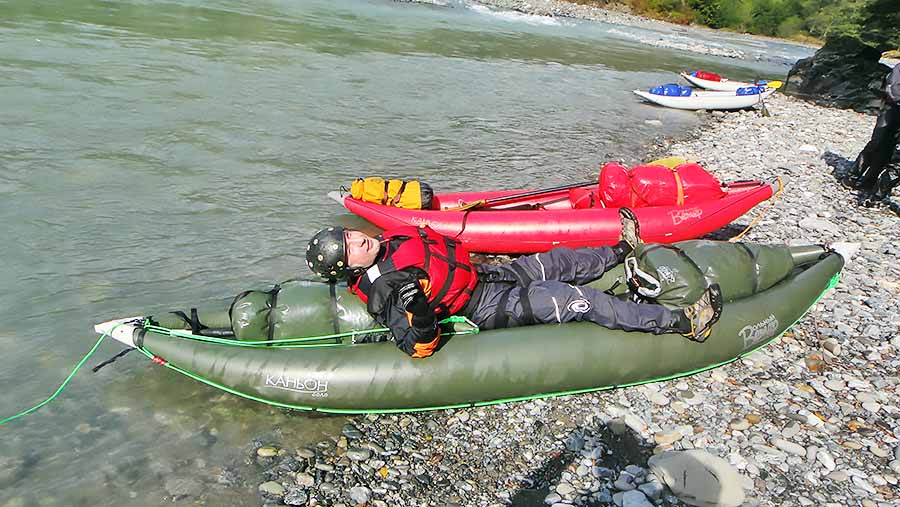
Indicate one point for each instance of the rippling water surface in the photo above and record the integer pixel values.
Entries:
(156, 155)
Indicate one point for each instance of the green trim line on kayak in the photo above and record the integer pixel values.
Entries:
(284, 343)
(831, 284)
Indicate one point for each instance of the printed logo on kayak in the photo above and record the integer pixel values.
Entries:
(683, 215)
(666, 274)
(317, 388)
(756, 333)
(419, 221)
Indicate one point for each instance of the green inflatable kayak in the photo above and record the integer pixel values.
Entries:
(252, 349)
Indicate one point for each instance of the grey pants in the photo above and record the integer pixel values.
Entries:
(549, 287)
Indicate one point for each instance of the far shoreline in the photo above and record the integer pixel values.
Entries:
(566, 9)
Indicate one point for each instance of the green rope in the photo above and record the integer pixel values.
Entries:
(65, 382)
(285, 343)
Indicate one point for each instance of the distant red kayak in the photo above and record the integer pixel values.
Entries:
(539, 223)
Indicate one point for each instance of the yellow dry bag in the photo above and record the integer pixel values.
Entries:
(397, 193)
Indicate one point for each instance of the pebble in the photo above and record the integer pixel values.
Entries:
(305, 480)
(667, 437)
(360, 494)
(791, 430)
(351, 432)
(863, 484)
(624, 483)
(789, 447)
(272, 488)
(652, 490)
(295, 497)
(740, 424)
(565, 489)
(878, 451)
(895, 466)
(635, 499)
(359, 454)
(659, 399)
(838, 476)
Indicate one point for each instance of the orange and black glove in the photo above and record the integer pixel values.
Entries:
(414, 301)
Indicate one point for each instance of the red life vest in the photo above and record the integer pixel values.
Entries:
(451, 276)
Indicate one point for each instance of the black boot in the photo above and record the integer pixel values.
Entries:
(696, 320)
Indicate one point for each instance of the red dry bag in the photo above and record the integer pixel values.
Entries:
(686, 184)
(709, 76)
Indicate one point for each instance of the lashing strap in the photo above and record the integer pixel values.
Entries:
(193, 320)
(270, 333)
(679, 186)
(749, 253)
(524, 279)
(527, 313)
(501, 316)
(448, 281)
(399, 195)
(332, 292)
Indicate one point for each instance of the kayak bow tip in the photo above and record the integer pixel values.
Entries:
(337, 196)
(121, 330)
(845, 249)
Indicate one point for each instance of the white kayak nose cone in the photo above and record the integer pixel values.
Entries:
(121, 330)
(337, 197)
(845, 249)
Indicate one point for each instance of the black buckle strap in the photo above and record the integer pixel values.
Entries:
(270, 333)
(436, 302)
(193, 320)
(749, 253)
(501, 316)
(527, 313)
(399, 195)
(524, 279)
(332, 292)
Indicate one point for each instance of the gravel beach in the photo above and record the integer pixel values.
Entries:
(811, 419)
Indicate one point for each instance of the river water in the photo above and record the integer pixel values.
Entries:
(161, 155)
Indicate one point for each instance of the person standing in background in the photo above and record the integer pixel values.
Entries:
(876, 170)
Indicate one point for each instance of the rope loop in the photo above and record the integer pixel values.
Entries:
(759, 216)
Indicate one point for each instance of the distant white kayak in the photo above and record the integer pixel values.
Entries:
(723, 85)
(707, 99)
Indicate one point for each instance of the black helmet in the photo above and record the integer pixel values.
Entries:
(326, 253)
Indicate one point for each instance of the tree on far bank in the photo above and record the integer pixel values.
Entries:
(880, 26)
(875, 22)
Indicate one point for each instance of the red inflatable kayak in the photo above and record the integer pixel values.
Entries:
(541, 222)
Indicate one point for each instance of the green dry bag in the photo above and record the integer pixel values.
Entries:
(297, 309)
(676, 275)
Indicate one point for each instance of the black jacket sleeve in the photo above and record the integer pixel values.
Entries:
(892, 86)
(408, 330)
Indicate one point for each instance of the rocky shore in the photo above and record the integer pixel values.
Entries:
(811, 419)
(680, 36)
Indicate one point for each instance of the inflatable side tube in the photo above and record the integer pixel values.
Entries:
(494, 366)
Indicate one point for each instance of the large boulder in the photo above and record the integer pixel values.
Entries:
(844, 73)
(699, 478)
